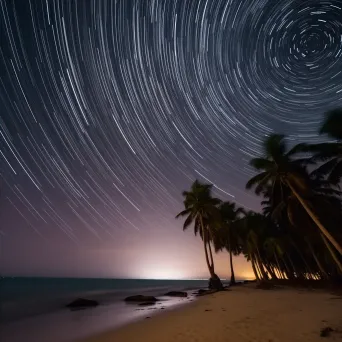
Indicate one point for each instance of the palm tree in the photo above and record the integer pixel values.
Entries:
(328, 203)
(226, 236)
(201, 209)
(252, 229)
(281, 172)
(272, 245)
(330, 152)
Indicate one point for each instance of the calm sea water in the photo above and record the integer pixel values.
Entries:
(33, 309)
(27, 296)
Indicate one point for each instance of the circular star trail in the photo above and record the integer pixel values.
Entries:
(109, 109)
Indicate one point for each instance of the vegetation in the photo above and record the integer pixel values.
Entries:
(201, 210)
(298, 235)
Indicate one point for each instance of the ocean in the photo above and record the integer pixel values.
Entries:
(33, 309)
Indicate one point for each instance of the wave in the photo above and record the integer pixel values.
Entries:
(44, 297)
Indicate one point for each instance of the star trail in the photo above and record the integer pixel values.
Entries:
(109, 109)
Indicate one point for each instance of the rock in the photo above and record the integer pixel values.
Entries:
(325, 332)
(200, 291)
(141, 298)
(176, 294)
(82, 303)
(215, 283)
(205, 292)
(147, 303)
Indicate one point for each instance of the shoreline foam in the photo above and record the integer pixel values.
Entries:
(243, 314)
(64, 325)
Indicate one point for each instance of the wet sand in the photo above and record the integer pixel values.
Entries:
(66, 325)
(243, 314)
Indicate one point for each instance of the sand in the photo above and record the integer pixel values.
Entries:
(240, 315)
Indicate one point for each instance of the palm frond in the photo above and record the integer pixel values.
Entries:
(299, 148)
(336, 173)
(256, 179)
(275, 146)
(262, 184)
(261, 163)
(277, 211)
(332, 124)
(183, 213)
(188, 221)
(324, 169)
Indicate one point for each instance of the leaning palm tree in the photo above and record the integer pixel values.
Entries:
(290, 214)
(252, 229)
(201, 210)
(282, 172)
(226, 236)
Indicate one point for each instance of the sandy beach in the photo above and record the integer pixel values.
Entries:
(241, 314)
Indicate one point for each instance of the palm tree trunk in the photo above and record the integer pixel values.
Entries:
(212, 274)
(277, 261)
(261, 266)
(211, 257)
(290, 275)
(318, 263)
(214, 282)
(207, 258)
(232, 275)
(270, 271)
(316, 219)
(257, 266)
(254, 268)
(280, 274)
(295, 271)
(302, 257)
(333, 254)
(261, 269)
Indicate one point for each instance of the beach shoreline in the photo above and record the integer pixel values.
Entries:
(37, 322)
(243, 313)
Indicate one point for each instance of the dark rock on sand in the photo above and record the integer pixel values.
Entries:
(200, 291)
(147, 303)
(141, 298)
(205, 292)
(325, 332)
(176, 294)
(215, 283)
(82, 303)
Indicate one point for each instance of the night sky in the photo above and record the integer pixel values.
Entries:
(110, 109)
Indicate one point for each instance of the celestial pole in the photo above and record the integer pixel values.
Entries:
(109, 109)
